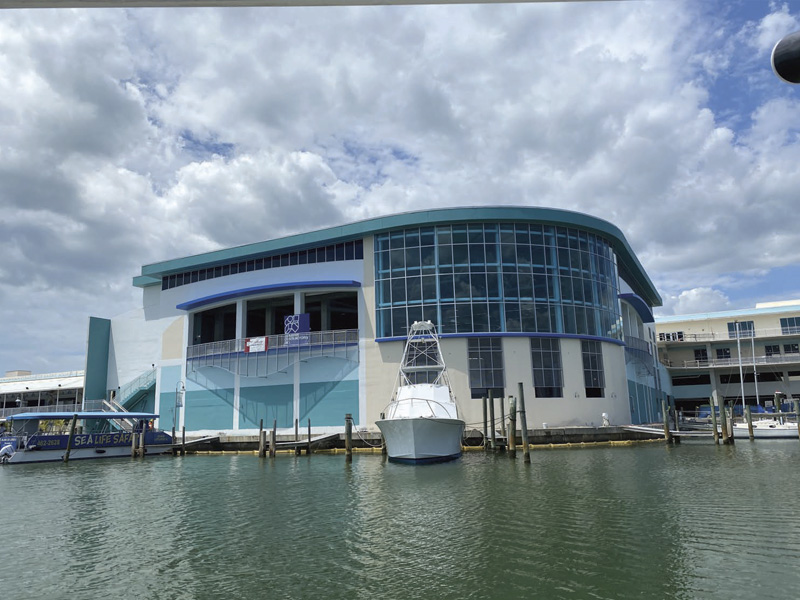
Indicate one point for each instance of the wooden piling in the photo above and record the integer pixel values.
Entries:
(348, 437)
(724, 416)
(665, 414)
(715, 431)
(503, 417)
(308, 445)
(523, 423)
(142, 448)
(749, 416)
(492, 431)
(297, 436)
(383, 439)
(797, 415)
(262, 440)
(134, 443)
(512, 427)
(273, 434)
(70, 436)
(485, 426)
(183, 440)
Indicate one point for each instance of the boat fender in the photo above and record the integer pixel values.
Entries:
(6, 452)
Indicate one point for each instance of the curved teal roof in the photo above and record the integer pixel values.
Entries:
(630, 268)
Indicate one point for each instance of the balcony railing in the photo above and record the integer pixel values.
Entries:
(251, 358)
(679, 337)
(747, 361)
(5, 412)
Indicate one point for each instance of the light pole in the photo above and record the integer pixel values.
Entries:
(180, 388)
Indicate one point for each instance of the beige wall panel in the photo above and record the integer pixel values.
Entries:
(172, 340)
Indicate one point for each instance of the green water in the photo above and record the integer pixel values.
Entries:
(647, 521)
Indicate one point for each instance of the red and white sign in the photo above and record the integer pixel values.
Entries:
(257, 344)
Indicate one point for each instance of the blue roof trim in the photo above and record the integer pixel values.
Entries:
(277, 287)
(571, 336)
(640, 306)
(630, 268)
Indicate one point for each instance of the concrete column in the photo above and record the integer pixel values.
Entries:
(299, 307)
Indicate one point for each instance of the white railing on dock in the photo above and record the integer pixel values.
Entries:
(714, 336)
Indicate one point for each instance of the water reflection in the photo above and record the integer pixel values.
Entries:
(692, 521)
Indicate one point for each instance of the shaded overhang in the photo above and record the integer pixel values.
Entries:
(630, 269)
(640, 306)
(264, 289)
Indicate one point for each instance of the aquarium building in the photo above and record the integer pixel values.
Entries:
(312, 326)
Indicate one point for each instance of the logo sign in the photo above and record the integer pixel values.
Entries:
(256, 344)
(296, 328)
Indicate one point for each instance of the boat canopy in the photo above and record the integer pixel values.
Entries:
(53, 416)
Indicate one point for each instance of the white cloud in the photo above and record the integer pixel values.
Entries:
(134, 136)
(697, 300)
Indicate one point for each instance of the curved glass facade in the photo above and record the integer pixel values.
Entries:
(496, 277)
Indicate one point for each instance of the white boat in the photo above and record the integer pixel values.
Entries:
(421, 423)
(33, 438)
(766, 429)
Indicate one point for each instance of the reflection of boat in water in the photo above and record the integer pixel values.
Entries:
(111, 436)
(421, 423)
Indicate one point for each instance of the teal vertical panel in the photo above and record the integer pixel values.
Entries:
(270, 402)
(96, 372)
(145, 403)
(170, 378)
(635, 417)
(326, 403)
(207, 409)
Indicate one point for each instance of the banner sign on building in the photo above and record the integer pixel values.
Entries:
(256, 344)
(296, 328)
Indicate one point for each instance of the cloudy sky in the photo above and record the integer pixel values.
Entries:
(131, 136)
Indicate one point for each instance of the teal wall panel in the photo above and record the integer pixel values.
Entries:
(326, 403)
(271, 403)
(206, 409)
(96, 373)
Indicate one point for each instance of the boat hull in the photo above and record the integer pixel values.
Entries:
(53, 447)
(422, 440)
(767, 430)
(39, 456)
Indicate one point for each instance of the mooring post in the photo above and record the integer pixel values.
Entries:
(297, 437)
(512, 427)
(134, 440)
(715, 431)
(308, 446)
(749, 416)
(523, 423)
(485, 426)
(503, 417)
(273, 434)
(724, 416)
(183, 440)
(348, 437)
(383, 439)
(142, 448)
(493, 430)
(262, 440)
(797, 415)
(667, 433)
(69, 437)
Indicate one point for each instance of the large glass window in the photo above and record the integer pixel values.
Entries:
(214, 325)
(790, 325)
(741, 329)
(546, 362)
(485, 357)
(489, 277)
(701, 355)
(593, 374)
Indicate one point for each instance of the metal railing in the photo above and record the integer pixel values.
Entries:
(277, 354)
(734, 362)
(672, 337)
(62, 375)
(142, 382)
(637, 343)
(5, 412)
